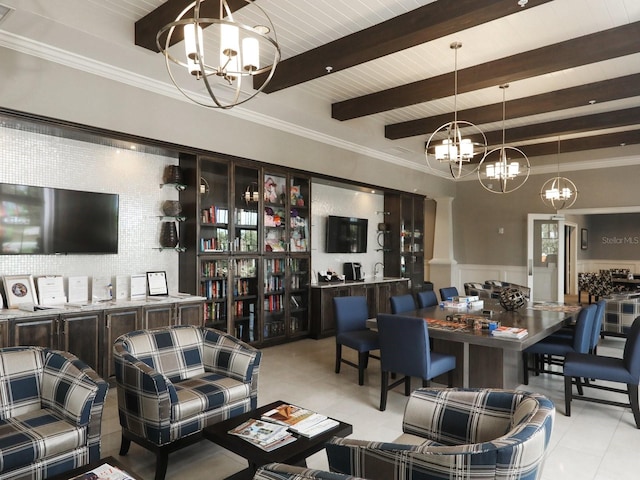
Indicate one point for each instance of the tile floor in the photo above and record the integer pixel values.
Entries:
(596, 442)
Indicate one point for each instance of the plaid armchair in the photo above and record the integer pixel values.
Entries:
(50, 412)
(461, 433)
(174, 381)
(279, 471)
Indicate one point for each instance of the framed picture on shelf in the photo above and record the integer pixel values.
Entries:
(157, 284)
(19, 290)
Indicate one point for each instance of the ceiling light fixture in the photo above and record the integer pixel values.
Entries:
(505, 174)
(559, 192)
(240, 50)
(447, 146)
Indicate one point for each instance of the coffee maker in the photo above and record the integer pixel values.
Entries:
(352, 271)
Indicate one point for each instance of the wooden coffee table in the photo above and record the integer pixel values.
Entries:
(294, 453)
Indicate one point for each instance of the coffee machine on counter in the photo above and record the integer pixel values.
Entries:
(353, 271)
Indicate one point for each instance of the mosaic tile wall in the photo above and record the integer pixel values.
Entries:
(41, 160)
(329, 200)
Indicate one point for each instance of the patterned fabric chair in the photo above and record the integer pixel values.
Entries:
(456, 433)
(279, 471)
(50, 413)
(174, 381)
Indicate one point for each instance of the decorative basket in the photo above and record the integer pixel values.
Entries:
(171, 208)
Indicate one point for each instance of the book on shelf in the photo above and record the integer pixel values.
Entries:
(265, 435)
(299, 420)
(510, 332)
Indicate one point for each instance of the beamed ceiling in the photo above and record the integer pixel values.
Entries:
(573, 68)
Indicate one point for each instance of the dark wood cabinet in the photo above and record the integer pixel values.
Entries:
(158, 316)
(323, 320)
(81, 334)
(117, 322)
(190, 314)
(404, 239)
(38, 331)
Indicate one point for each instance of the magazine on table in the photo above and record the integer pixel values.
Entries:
(104, 472)
(266, 435)
(510, 332)
(299, 420)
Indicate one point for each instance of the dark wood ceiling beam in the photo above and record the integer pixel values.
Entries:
(148, 26)
(608, 140)
(596, 47)
(568, 126)
(418, 26)
(604, 91)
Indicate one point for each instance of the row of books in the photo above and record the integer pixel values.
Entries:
(215, 214)
(282, 425)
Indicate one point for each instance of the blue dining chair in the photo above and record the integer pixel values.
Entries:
(559, 347)
(351, 315)
(448, 292)
(404, 350)
(427, 298)
(618, 370)
(402, 303)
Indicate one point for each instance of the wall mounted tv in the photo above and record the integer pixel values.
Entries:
(346, 234)
(42, 220)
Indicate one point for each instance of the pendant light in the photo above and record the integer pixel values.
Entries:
(504, 169)
(447, 147)
(559, 192)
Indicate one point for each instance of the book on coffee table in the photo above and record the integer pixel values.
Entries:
(299, 420)
(266, 435)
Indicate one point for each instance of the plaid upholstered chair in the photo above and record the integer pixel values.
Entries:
(174, 381)
(50, 413)
(456, 433)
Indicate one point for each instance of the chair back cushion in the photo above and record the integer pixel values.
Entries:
(176, 352)
(584, 327)
(427, 298)
(631, 355)
(447, 293)
(404, 345)
(402, 303)
(20, 381)
(351, 313)
(597, 323)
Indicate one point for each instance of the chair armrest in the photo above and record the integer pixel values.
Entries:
(72, 388)
(279, 471)
(145, 397)
(226, 355)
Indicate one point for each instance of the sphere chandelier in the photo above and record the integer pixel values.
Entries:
(447, 146)
(239, 48)
(505, 174)
(559, 192)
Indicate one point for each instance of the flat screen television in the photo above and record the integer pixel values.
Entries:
(346, 234)
(43, 220)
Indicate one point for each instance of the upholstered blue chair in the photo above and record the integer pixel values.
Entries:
(466, 434)
(404, 350)
(402, 303)
(427, 298)
(567, 332)
(351, 315)
(559, 347)
(448, 292)
(619, 370)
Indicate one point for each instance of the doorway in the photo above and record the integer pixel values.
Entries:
(546, 257)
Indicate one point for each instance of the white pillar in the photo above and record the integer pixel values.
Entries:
(442, 264)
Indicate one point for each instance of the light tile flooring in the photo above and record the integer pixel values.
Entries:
(596, 442)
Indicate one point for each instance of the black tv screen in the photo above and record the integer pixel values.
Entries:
(42, 220)
(346, 234)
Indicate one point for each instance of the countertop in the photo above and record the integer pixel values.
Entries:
(367, 281)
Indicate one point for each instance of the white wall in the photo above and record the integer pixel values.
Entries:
(331, 200)
(42, 160)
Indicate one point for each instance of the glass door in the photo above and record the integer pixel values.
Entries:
(545, 257)
(299, 214)
(247, 200)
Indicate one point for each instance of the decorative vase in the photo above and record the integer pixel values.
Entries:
(173, 174)
(168, 235)
(171, 208)
(512, 298)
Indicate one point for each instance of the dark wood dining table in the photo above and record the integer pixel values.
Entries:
(484, 360)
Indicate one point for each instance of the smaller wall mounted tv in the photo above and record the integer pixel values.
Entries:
(42, 220)
(346, 234)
